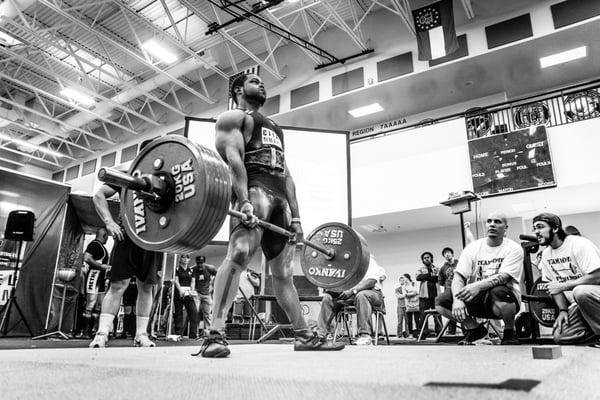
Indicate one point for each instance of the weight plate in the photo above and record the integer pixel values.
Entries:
(350, 263)
(200, 178)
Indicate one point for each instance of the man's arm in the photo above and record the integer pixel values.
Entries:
(100, 200)
(422, 274)
(563, 314)
(459, 310)
(366, 284)
(290, 190)
(442, 275)
(593, 278)
(178, 286)
(211, 269)
(88, 258)
(399, 294)
(231, 144)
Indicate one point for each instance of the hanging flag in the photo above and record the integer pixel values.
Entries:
(436, 36)
(255, 69)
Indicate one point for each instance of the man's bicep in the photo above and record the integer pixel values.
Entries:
(106, 191)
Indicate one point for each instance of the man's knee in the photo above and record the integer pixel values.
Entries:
(327, 300)
(145, 288)
(361, 300)
(582, 293)
(119, 286)
(240, 253)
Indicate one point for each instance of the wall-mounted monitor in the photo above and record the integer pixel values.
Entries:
(511, 162)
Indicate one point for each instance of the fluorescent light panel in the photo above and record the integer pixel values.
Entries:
(563, 57)
(78, 97)
(158, 50)
(366, 110)
(8, 39)
(30, 146)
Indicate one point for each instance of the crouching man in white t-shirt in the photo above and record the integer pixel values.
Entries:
(572, 266)
(486, 284)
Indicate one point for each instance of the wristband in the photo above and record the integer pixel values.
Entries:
(296, 220)
(563, 309)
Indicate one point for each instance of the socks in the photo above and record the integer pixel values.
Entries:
(106, 321)
(141, 324)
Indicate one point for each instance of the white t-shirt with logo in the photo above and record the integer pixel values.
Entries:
(479, 261)
(576, 257)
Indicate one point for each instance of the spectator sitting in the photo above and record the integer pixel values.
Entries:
(364, 296)
(486, 283)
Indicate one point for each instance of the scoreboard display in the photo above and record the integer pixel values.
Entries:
(511, 162)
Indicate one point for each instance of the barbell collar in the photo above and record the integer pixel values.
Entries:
(329, 253)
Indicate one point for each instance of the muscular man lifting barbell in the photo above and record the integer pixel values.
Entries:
(253, 147)
(177, 193)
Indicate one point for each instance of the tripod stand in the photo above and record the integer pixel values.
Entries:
(65, 275)
(12, 299)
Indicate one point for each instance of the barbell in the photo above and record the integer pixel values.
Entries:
(175, 198)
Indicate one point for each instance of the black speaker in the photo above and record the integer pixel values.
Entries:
(19, 225)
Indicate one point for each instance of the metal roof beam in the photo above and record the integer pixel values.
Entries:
(101, 35)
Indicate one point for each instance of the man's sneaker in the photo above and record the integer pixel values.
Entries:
(142, 341)
(363, 340)
(316, 343)
(100, 340)
(214, 346)
(473, 335)
(509, 338)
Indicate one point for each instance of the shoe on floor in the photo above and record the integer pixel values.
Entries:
(143, 341)
(509, 338)
(364, 340)
(316, 343)
(473, 335)
(214, 346)
(100, 340)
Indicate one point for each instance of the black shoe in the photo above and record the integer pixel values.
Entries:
(404, 335)
(473, 334)
(214, 346)
(316, 343)
(509, 338)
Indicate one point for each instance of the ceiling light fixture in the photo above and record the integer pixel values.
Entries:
(159, 51)
(9, 40)
(563, 57)
(78, 96)
(366, 110)
(23, 143)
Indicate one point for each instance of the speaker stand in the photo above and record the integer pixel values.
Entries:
(12, 301)
(57, 332)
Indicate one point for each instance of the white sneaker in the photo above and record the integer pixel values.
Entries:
(143, 341)
(100, 340)
(363, 341)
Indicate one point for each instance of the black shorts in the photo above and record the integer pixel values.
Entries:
(271, 207)
(482, 305)
(129, 260)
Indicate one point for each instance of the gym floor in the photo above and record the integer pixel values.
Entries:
(65, 370)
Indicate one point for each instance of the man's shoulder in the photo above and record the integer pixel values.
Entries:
(512, 245)
(231, 118)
